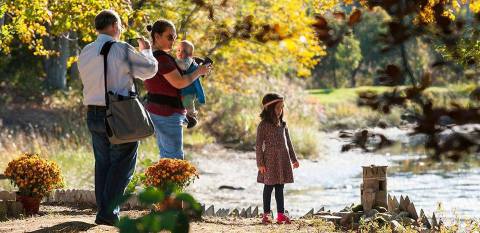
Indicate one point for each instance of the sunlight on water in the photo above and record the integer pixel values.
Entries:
(334, 182)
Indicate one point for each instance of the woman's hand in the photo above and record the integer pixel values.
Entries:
(143, 44)
(296, 164)
(204, 69)
(262, 169)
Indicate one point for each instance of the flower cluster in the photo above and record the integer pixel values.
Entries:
(165, 171)
(34, 176)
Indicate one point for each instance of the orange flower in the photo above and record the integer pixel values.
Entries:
(180, 172)
(33, 175)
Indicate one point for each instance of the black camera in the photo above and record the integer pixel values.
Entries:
(207, 61)
(133, 42)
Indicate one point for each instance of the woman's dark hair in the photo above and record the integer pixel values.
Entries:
(106, 18)
(159, 27)
(268, 113)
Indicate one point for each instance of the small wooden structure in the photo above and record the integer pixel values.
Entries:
(373, 191)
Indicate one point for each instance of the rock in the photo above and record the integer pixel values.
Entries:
(3, 210)
(382, 124)
(357, 208)
(350, 218)
(409, 117)
(249, 212)
(330, 218)
(371, 213)
(406, 221)
(342, 213)
(404, 203)
(243, 213)
(309, 214)
(390, 206)
(396, 227)
(234, 213)
(219, 212)
(203, 209)
(255, 212)
(396, 204)
(347, 220)
(210, 212)
(386, 216)
(230, 187)
(445, 120)
(412, 211)
(424, 220)
(381, 209)
(401, 215)
(222, 213)
(14, 209)
(434, 221)
(7, 196)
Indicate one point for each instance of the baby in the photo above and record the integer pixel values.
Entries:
(188, 64)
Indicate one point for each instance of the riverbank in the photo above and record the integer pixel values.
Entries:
(68, 219)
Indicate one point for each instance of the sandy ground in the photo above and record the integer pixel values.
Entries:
(67, 219)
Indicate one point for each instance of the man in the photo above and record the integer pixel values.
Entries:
(114, 164)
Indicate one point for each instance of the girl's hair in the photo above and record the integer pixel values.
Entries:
(159, 27)
(268, 113)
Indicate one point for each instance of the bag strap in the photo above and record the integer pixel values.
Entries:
(105, 50)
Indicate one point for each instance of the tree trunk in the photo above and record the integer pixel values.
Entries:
(56, 65)
(353, 81)
(335, 83)
(75, 49)
(405, 64)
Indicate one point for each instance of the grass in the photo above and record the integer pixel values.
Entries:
(341, 111)
(349, 95)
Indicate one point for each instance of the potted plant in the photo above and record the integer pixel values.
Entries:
(168, 173)
(35, 178)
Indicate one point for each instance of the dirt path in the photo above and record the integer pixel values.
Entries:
(66, 219)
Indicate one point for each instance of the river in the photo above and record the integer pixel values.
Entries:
(333, 180)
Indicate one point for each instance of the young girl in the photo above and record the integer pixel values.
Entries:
(274, 155)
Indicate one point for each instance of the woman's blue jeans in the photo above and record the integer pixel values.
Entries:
(169, 133)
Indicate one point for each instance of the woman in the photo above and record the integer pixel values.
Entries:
(164, 99)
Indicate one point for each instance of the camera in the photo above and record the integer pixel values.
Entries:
(207, 61)
(133, 42)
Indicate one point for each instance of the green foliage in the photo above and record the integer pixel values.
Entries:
(233, 118)
(172, 218)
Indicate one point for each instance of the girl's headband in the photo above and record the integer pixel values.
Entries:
(272, 102)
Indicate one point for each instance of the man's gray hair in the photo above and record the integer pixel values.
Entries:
(106, 18)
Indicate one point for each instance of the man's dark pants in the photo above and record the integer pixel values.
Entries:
(114, 166)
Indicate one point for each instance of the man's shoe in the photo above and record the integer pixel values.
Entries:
(99, 221)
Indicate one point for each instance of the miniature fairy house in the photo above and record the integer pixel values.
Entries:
(373, 191)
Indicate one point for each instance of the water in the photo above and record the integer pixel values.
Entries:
(334, 182)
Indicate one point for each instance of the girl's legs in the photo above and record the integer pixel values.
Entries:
(281, 218)
(267, 197)
(279, 198)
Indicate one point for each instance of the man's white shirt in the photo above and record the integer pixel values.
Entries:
(123, 62)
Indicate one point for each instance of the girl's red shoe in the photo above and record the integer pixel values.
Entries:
(282, 218)
(266, 218)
